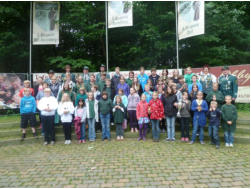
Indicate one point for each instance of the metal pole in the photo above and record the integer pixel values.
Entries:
(177, 36)
(106, 36)
(30, 40)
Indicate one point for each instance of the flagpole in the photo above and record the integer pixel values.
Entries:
(177, 36)
(106, 36)
(30, 55)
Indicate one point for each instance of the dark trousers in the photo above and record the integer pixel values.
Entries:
(132, 119)
(213, 131)
(184, 124)
(48, 125)
(119, 129)
(67, 130)
(142, 130)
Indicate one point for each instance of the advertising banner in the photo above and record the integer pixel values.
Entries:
(191, 19)
(119, 14)
(45, 23)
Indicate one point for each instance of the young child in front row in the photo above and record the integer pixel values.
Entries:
(142, 117)
(185, 117)
(27, 111)
(229, 116)
(92, 115)
(214, 122)
(118, 113)
(65, 110)
(80, 120)
(199, 107)
(156, 111)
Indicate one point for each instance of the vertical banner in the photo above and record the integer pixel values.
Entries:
(191, 18)
(46, 23)
(119, 14)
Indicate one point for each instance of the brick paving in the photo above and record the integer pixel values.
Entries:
(126, 163)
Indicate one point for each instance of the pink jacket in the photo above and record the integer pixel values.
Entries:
(142, 109)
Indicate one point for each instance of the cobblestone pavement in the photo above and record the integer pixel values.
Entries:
(127, 163)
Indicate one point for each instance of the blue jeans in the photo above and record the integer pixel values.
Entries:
(170, 124)
(91, 127)
(213, 133)
(105, 121)
(195, 129)
(82, 131)
(155, 129)
(229, 137)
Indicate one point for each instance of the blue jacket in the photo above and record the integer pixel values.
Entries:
(28, 105)
(214, 117)
(201, 116)
(143, 80)
(190, 87)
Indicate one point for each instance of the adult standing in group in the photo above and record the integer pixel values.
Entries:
(116, 78)
(86, 76)
(68, 70)
(228, 84)
(154, 77)
(102, 71)
(143, 78)
(207, 79)
(48, 79)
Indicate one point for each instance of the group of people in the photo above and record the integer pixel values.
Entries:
(98, 101)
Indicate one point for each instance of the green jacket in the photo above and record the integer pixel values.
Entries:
(229, 113)
(101, 85)
(88, 86)
(219, 97)
(98, 76)
(129, 82)
(105, 106)
(188, 78)
(118, 114)
(80, 96)
(228, 85)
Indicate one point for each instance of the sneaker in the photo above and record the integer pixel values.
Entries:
(23, 137)
(139, 138)
(66, 142)
(118, 137)
(121, 138)
(187, 139)
(227, 145)
(217, 146)
(197, 134)
(45, 143)
(144, 138)
(202, 142)
(191, 142)
(173, 139)
(52, 142)
(167, 139)
(69, 141)
(83, 141)
(231, 145)
(182, 139)
(80, 141)
(131, 130)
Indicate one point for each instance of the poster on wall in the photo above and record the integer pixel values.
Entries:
(120, 14)
(46, 23)
(191, 18)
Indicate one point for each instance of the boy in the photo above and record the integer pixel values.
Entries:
(188, 76)
(229, 116)
(26, 86)
(214, 121)
(27, 111)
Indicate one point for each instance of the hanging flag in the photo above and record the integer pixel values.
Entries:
(191, 18)
(46, 23)
(119, 14)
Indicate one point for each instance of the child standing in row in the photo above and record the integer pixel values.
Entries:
(199, 107)
(27, 111)
(142, 116)
(80, 120)
(65, 110)
(185, 117)
(133, 100)
(119, 111)
(229, 116)
(214, 122)
(92, 115)
(156, 111)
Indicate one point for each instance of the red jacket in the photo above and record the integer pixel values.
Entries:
(142, 109)
(156, 109)
(21, 92)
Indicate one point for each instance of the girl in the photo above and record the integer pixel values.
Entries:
(133, 100)
(149, 82)
(156, 111)
(199, 107)
(170, 104)
(96, 92)
(66, 89)
(92, 115)
(142, 117)
(80, 120)
(185, 116)
(123, 85)
(193, 93)
(118, 111)
(148, 93)
(175, 77)
(137, 86)
(65, 110)
(81, 95)
(162, 124)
